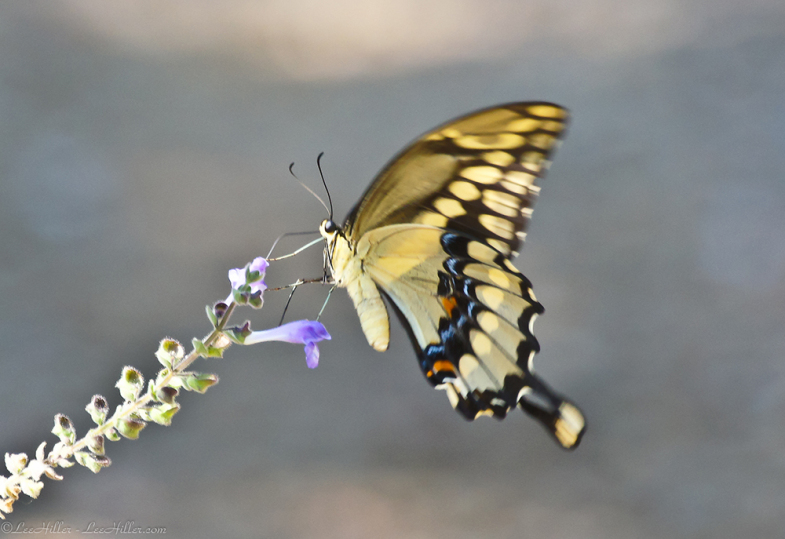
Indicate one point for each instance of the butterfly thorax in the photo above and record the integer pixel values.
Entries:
(345, 259)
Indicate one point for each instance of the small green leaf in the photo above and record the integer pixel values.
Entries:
(163, 414)
(199, 347)
(212, 351)
(251, 276)
(200, 381)
(255, 300)
(112, 435)
(212, 316)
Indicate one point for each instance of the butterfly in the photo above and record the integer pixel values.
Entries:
(434, 234)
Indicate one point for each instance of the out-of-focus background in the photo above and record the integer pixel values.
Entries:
(144, 147)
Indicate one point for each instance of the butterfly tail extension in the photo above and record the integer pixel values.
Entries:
(560, 417)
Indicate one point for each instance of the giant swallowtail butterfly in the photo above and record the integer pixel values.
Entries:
(434, 234)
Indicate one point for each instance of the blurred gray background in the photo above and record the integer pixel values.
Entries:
(144, 147)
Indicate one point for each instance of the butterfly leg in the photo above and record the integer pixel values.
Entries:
(330, 293)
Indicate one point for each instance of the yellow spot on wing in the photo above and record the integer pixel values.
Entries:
(490, 296)
(464, 190)
(485, 175)
(449, 207)
(496, 363)
(498, 277)
(523, 124)
(481, 252)
(500, 246)
(497, 141)
(488, 321)
(547, 111)
(502, 203)
(506, 336)
(481, 344)
(493, 275)
(467, 365)
(501, 227)
(499, 158)
(514, 187)
(431, 218)
(507, 305)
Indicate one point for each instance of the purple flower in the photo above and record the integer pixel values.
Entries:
(302, 331)
(238, 276)
(248, 283)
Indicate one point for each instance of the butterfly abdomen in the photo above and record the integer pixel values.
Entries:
(370, 308)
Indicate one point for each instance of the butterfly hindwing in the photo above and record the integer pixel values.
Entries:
(469, 314)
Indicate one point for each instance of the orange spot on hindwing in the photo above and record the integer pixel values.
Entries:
(450, 304)
(443, 366)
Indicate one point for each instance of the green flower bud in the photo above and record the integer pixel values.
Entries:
(98, 408)
(130, 428)
(169, 352)
(130, 384)
(64, 429)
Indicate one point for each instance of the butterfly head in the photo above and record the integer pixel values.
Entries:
(328, 229)
(334, 238)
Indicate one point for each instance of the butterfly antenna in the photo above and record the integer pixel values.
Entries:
(311, 190)
(319, 166)
(298, 251)
(282, 236)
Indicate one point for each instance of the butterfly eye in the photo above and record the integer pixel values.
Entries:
(329, 226)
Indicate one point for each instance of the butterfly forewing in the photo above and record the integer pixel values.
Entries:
(476, 175)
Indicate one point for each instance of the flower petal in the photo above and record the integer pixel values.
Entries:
(312, 355)
(237, 277)
(259, 264)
